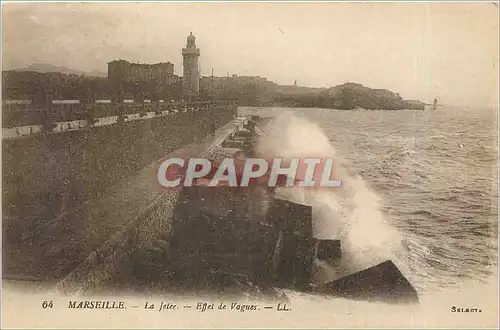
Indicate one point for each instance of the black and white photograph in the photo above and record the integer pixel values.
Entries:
(250, 164)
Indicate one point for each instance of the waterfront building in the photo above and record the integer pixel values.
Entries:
(124, 71)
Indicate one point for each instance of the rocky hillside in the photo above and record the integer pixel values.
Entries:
(349, 96)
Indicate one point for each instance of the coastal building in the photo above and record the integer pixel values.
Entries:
(248, 90)
(191, 77)
(124, 71)
(235, 82)
(141, 81)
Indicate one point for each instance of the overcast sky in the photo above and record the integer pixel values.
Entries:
(421, 50)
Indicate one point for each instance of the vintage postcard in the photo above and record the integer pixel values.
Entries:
(249, 165)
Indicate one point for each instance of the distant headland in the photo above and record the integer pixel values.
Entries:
(247, 90)
(348, 96)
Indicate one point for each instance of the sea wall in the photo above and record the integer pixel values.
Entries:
(45, 175)
(18, 113)
(143, 222)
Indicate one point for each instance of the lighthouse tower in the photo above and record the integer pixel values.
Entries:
(191, 77)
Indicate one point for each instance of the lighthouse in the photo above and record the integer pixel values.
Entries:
(191, 77)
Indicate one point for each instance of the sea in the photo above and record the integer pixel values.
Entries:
(423, 190)
(419, 187)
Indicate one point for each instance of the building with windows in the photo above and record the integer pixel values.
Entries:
(142, 81)
(124, 71)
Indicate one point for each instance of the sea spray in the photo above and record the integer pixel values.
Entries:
(350, 213)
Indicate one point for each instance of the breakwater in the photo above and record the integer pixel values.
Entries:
(49, 174)
(146, 215)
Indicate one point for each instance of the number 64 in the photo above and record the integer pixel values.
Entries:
(47, 304)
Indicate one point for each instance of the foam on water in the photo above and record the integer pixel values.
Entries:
(353, 214)
(350, 213)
